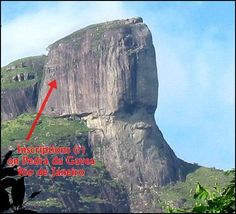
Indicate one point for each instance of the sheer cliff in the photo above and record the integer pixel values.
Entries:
(107, 68)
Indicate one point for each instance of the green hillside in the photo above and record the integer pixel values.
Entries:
(94, 191)
(181, 194)
(87, 190)
(49, 129)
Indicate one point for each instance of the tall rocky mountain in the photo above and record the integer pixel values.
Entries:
(107, 76)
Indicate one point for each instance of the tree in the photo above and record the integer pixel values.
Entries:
(220, 200)
(8, 180)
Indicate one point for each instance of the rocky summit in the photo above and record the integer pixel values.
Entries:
(107, 77)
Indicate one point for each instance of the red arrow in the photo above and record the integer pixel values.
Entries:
(52, 84)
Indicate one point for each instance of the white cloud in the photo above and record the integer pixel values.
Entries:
(30, 33)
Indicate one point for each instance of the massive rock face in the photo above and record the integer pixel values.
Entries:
(107, 68)
(107, 74)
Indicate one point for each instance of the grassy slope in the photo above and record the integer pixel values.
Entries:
(185, 190)
(53, 130)
(49, 129)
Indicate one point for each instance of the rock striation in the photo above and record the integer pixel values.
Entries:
(107, 69)
(16, 102)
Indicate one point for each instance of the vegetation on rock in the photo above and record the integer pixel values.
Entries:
(26, 66)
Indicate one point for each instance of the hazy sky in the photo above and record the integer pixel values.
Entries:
(194, 44)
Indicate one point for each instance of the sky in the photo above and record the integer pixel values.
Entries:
(195, 51)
